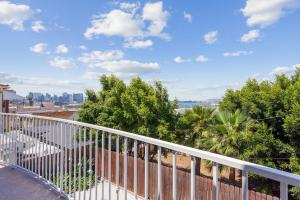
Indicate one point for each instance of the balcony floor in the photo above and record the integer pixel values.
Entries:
(15, 184)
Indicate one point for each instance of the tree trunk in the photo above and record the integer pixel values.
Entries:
(198, 166)
(232, 175)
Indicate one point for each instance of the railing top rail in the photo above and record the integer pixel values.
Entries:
(267, 172)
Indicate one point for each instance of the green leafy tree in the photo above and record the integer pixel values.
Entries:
(139, 108)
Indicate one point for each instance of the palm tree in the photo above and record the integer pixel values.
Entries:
(194, 122)
(226, 135)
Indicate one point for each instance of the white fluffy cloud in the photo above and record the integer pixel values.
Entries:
(14, 15)
(113, 62)
(211, 37)
(38, 26)
(62, 48)
(93, 58)
(201, 59)
(266, 12)
(129, 24)
(39, 48)
(131, 7)
(251, 36)
(187, 16)
(128, 66)
(116, 22)
(82, 47)
(138, 44)
(158, 17)
(62, 63)
(237, 53)
(284, 70)
(179, 59)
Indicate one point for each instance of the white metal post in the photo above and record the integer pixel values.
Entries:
(90, 167)
(125, 168)
(75, 158)
(1, 117)
(71, 154)
(79, 163)
(96, 164)
(283, 191)
(135, 169)
(159, 183)
(117, 167)
(109, 166)
(215, 172)
(84, 163)
(193, 164)
(174, 195)
(61, 158)
(245, 195)
(146, 171)
(102, 163)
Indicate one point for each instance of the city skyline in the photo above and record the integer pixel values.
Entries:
(196, 53)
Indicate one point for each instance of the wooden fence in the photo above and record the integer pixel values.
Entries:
(203, 183)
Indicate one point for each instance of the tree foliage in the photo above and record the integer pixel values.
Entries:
(139, 108)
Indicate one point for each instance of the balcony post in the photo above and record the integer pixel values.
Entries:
(1, 111)
(283, 191)
(245, 195)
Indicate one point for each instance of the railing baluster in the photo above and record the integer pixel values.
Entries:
(58, 154)
(49, 130)
(1, 136)
(79, 165)
(84, 163)
(15, 140)
(109, 166)
(23, 141)
(90, 167)
(75, 158)
(30, 146)
(96, 164)
(283, 191)
(70, 157)
(102, 163)
(43, 148)
(39, 147)
(117, 166)
(125, 168)
(53, 154)
(245, 195)
(35, 123)
(174, 190)
(215, 172)
(193, 164)
(26, 144)
(135, 169)
(46, 150)
(146, 171)
(159, 184)
(61, 158)
(65, 157)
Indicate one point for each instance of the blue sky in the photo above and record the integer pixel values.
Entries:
(198, 49)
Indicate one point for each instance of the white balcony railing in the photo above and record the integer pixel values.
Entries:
(62, 154)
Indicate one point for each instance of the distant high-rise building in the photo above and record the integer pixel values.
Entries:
(78, 98)
(48, 97)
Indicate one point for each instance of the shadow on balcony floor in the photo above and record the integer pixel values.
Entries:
(15, 184)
